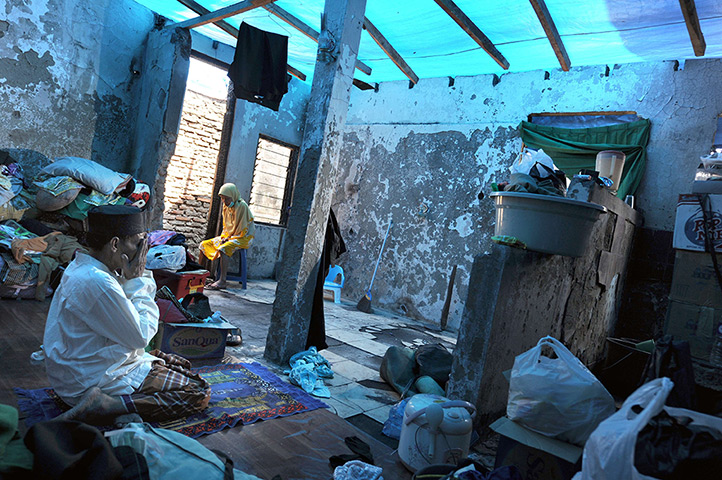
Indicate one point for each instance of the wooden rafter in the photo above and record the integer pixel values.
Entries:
(233, 31)
(222, 13)
(306, 30)
(361, 85)
(390, 51)
(552, 33)
(473, 31)
(689, 10)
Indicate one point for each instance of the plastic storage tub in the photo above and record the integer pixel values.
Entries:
(545, 223)
(181, 283)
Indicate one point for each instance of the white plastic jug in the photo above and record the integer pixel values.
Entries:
(610, 164)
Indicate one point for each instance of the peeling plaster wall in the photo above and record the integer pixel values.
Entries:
(67, 81)
(438, 146)
(249, 122)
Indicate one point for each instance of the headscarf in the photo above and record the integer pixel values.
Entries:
(237, 219)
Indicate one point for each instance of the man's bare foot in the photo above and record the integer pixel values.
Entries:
(217, 286)
(95, 408)
(123, 420)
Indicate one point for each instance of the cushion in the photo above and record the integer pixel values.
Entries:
(48, 202)
(92, 174)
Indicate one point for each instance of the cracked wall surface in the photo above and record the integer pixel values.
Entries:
(421, 157)
(69, 76)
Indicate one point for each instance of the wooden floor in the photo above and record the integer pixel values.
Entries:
(295, 447)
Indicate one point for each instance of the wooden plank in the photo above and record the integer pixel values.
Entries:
(306, 30)
(233, 31)
(542, 12)
(473, 31)
(361, 85)
(296, 73)
(390, 51)
(201, 10)
(225, 12)
(298, 446)
(689, 10)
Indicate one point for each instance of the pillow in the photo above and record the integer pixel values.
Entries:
(92, 174)
(48, 202)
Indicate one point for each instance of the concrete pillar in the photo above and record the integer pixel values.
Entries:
(316, 174)
(163, 76)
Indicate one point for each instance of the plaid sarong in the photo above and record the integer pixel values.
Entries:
(169, 391)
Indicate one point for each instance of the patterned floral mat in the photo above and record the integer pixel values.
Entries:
(240, 392)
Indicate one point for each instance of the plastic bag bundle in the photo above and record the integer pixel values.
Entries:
(610, 452)
(528, 158)
(557, 397)
(168, 257)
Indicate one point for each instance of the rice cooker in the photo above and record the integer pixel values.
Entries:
(435, 430)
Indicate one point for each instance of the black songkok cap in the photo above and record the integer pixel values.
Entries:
(115, 221)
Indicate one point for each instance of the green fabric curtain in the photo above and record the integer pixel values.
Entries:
(573, 149)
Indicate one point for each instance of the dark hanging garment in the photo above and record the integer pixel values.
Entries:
(258, 70)
(333, 247)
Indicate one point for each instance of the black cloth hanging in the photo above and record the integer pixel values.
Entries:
(333, 247)
(258, 70)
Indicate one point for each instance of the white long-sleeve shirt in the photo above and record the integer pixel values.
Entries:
(97, 329)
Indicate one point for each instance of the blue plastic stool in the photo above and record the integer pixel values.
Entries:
(330, 282)
(244, 270)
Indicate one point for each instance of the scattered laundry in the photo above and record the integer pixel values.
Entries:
(308, 369)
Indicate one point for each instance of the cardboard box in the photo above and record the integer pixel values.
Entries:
(193, 340)
(695, 323)
(535, 455)
(694, 279)
(689, 223)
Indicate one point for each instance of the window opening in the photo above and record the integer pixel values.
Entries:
(273, 177)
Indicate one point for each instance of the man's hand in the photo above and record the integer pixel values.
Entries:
(134, 267)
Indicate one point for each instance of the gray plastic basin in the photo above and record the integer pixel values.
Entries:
(547, 224)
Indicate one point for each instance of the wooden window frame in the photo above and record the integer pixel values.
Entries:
(290, 177)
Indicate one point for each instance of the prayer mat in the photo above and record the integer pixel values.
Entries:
(240, 392)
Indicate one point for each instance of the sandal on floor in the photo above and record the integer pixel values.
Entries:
(234, 339)
(213, 287)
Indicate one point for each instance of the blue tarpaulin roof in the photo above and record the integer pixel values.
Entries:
(594, 32)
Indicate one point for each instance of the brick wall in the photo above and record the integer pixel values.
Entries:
(189, 180)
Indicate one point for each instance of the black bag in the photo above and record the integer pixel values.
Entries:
(673, 360)
(197, 304)
(435, 361)
(556, 180)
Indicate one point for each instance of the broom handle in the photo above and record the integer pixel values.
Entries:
(379, 259)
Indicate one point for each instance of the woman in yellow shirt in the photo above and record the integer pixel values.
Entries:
(238, 232)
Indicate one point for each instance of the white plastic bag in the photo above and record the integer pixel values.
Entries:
(168, 257)
(557, 397)
(609, 452)
(528, 158)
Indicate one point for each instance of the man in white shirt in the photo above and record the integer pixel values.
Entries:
(102, 317)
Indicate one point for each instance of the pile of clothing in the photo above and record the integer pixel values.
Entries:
(28, 261)
(43, 216)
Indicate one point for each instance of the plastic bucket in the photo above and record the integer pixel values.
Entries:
(610, 164)
(545, 223)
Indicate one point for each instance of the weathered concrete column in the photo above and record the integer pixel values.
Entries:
(325, 118)
(163, 83)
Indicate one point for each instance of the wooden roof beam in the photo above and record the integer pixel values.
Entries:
(233, 31)
(473, 31)
(222, 13)
(689, 10)
(390, 51)
(306, 30)
(552, 33)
